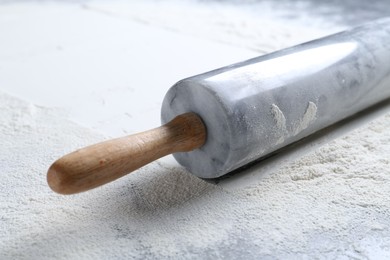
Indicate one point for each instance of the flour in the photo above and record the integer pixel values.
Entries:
(280, 121)
(257, 26)
(334, 200)
(278, 115)
(308, 117)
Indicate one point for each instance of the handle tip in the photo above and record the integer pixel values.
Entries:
(57, 180)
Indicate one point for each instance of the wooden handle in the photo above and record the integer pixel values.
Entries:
(101, 163)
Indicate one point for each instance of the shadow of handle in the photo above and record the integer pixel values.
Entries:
(104, 162)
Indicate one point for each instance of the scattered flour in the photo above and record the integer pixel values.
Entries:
(332, 202)
(308, 117)
(280, 121)
(256, 26)
(278, 115)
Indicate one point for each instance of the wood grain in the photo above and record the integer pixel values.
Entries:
(104, 162)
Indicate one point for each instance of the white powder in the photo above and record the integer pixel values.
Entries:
(260, 27)
(280, 121)
(332, 202)
(308, 117)
(278, 115)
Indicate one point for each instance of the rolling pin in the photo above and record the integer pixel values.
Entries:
(219, 121)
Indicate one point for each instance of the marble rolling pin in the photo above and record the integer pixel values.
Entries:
(224, 119)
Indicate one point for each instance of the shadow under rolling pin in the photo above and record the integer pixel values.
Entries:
(221, 120)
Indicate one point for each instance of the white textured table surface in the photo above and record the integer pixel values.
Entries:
(74, 74)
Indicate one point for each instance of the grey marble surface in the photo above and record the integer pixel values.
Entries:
(255, 107)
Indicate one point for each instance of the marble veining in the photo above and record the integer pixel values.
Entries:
(255, 107)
